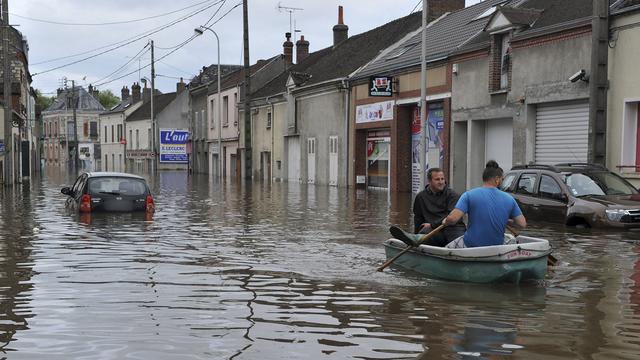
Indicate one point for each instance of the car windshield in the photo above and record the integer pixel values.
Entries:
(117, 186)
(598, 184)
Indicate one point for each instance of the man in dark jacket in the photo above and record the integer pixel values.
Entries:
(432, 205)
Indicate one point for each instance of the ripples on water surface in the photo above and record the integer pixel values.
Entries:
(286, 271)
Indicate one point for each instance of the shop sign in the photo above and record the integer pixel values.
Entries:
(374, 112)
(2, 148)
(173, 146)
(381, 86)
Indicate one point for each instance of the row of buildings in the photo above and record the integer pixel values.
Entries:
(19, 130)
(518, 81)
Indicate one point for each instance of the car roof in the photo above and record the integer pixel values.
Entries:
(94, 174)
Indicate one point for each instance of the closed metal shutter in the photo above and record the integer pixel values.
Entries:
(562, 133)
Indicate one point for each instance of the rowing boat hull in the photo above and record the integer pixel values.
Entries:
(525, 260)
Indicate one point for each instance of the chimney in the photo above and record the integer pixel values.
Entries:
(288, 49)
(124, 93)
(180, 86)
(135, 93)
(302, 49)
(340, 31)
(437, 8)
(146, 93)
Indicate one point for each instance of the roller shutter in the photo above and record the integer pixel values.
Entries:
(562, 133)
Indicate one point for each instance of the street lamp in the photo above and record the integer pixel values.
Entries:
(199, 31)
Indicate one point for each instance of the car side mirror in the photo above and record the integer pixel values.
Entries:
(562, 197)
(67, 191)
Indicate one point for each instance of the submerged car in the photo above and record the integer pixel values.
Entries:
(109, 192)
(576, 194)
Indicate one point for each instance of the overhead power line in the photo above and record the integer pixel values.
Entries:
(120, 45)
(113, 22)
(172, 51)
(135, 37)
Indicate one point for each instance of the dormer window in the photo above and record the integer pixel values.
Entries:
(505, 60)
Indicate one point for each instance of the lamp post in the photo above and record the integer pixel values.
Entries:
(199, 31)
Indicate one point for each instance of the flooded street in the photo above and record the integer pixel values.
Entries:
(287, 271)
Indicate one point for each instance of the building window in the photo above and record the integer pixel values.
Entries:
(93, 130)
(85, 129)
(203, 123)
(113, 134)
(225, 111)
(119, 132)
(269, 120)
(105, 134)
(130, 141)
(149, 139)
(137, 139)
(235, 109)
(500, 67)
(213, 112)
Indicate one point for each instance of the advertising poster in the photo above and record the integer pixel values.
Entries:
(374, 112)
(173, 146)
(435, 151)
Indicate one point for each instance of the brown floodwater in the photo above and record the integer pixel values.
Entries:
(287, 271)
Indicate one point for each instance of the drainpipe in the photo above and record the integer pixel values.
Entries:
(345, 87)
(273, 130)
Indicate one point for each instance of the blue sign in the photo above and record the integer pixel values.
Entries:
(173, 146)
(2, 148)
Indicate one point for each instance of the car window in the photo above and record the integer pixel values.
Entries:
(526, 184)
(612, 184)
(583, 185)
(79, 184)
(507, 182)
(117, 185)
(549, 188)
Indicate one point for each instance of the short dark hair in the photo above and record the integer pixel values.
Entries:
(491, 170)
(431, 171)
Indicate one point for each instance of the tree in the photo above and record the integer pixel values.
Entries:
(43, 101)
(108, 99)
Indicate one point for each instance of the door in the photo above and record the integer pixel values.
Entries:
(499, 142)
(525, 195)
(562, 131)
(265, 165)
(311, 160)
(234, 165)
(293, 161)
(333, 160)
(378, 162)
(25, 159)
(552, 201)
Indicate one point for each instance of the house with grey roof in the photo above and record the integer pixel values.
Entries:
(112, 127)
(141, 154)
(311, 143)
(384, 125)
(199, 112)
(226, 147)
(524, 89)
(74, 108)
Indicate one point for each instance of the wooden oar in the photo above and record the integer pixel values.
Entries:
(551, 260)
(402, 234)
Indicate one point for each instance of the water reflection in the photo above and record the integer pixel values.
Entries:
(271, 271)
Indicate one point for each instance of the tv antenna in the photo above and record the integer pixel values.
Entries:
(292, 18)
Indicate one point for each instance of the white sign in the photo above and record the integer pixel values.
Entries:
(374, 112)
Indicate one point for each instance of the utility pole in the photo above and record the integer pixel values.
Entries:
(424, 144)
(598, 83)
(74, 103)
(8, 114)
(247, 89)
(153, 117)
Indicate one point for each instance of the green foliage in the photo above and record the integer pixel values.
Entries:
(108, 99)
(43, 101)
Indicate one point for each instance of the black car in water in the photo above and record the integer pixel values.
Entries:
(576, 194)
(109, 192)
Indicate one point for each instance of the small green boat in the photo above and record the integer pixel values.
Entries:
(522, 258)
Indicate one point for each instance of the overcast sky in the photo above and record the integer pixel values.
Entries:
(68, 29)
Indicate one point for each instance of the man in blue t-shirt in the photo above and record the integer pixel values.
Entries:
(489, 210)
